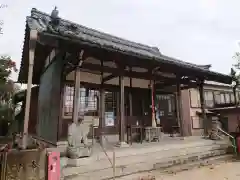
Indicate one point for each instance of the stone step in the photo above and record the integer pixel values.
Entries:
(149, 147)
(145, 153)
(183, 167)
(200, 163)
(149, 162)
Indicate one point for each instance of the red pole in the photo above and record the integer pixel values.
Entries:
(153, 104)
(152, 94)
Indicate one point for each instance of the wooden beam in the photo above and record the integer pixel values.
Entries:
(108, 78)
(130, 99)
(76, 95)
(102, 110)
(189, 86)
(179, 108)
(122, 112)
(173, 82)
(116, 72)
(77, 89)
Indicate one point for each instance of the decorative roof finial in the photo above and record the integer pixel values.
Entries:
(54, 13)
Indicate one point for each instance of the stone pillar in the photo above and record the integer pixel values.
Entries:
(179, 108)
(203, 108)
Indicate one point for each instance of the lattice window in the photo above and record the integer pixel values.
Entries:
(217, 97)
(232, 98)
(228, 97)
(195, 98)
(68, 100)
(209, 99)
(222, 98)
(88, 100)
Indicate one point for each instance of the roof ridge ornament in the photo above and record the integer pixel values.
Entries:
(54, 14)
(55, 20)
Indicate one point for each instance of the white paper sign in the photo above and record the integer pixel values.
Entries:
(109, 118)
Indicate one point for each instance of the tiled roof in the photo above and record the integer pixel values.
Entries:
(43, 23)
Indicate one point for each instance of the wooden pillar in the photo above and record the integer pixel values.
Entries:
(235, 95)
(179, 108)
(102, 110)
(32, 46)
(102, 115)
(203, 108)
(76, 99)
(130, 99)
(60, 118)
(122, 112)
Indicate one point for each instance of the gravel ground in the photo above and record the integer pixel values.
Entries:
(222, 171)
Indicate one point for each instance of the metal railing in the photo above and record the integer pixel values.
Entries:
(113, 161)
(231, 137)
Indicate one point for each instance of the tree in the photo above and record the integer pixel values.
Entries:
(235, 70)
(7, 88)
(235, 74)
(7, 66)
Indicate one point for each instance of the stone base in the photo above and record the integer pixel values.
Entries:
(122, 145)
(79, 152)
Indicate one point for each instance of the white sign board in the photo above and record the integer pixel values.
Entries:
(109, 118)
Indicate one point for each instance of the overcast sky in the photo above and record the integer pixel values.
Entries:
(197, 31)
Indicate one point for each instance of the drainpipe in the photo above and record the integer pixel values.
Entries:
(32, 45)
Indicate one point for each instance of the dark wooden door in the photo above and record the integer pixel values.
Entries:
(224, 123)
(166, 111)
(141, 107)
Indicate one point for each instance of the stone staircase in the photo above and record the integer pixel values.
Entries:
(133, 160)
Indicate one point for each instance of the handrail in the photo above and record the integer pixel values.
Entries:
(233, 139)
(225, 133)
